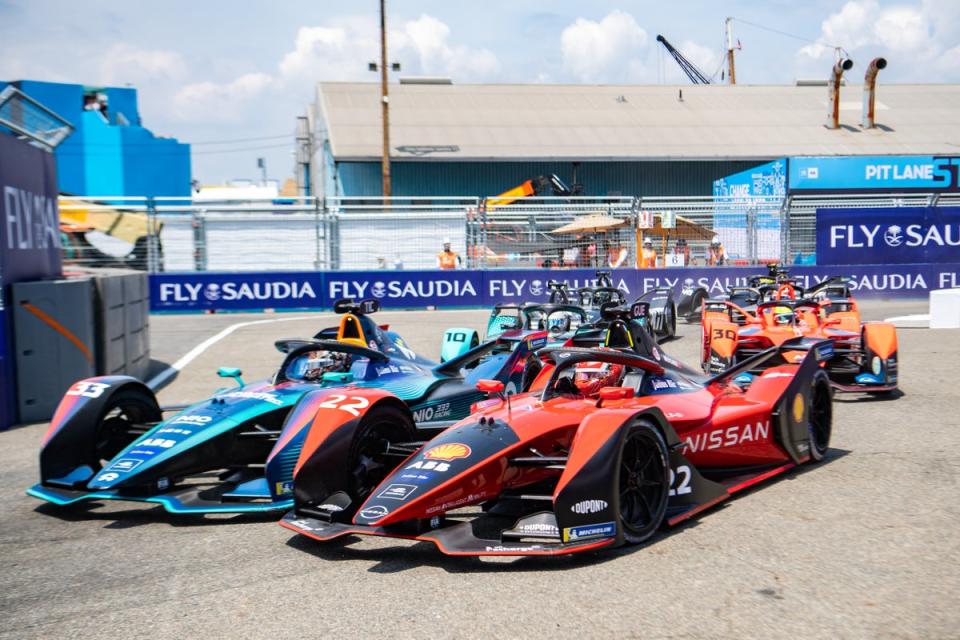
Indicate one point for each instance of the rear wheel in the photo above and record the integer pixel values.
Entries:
(671, 323)
(126, 417)
(644, 482)
(696, 306)
(368, 462)
(820, 420)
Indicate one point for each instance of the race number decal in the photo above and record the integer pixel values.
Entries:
(88, 389)
(350, 404)
(683, 475)
(720, 334)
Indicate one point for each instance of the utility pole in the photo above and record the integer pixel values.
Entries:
(731, 72)
(385, 101)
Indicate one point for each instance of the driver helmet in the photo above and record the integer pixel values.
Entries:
(321, 362)
(783, 315)
(590, 377)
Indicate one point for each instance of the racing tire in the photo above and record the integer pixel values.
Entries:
(531, 370)
(671, 322)
(126, 408)
(820, 416)
(696, 307)
(644, 482)
(367, 466)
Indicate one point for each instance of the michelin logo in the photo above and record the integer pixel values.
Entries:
(602, 530)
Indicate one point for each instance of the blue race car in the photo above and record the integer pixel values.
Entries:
(236, 451)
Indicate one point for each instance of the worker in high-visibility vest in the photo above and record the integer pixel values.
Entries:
(717, 255)
(448, 258)
(648, 256)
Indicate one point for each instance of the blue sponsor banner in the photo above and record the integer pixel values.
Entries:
(408, 289)
(532, 285)
(236, 291)
(905, 235)
(875, 173)
(185, 292)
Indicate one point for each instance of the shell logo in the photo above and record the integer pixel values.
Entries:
(798, 407)
(447, 452)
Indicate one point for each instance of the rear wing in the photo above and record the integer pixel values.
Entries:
(821, 350)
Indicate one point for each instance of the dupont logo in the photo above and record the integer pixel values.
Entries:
(589, 506)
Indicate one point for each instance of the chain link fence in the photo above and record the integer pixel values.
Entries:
(302, 233)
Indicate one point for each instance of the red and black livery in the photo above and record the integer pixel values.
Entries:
(556, 471)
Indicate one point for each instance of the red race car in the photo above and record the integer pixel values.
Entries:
(864, 354)
(608, 446)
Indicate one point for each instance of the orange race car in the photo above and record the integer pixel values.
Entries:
(864, 354)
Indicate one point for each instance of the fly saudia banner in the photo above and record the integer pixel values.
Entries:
(247, 291)
(904, 235)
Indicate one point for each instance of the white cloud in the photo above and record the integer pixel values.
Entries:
(123, 63)
(342, 49)
(428, 38)
(610, 50)
(703, 58)
(230, 102)
(918, 39)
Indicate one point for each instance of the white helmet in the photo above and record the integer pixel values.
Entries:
(647, 241)
(715, 242)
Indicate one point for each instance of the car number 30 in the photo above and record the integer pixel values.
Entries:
(350, 404)
(680, 481)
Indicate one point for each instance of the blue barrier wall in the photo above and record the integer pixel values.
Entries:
(185, 292)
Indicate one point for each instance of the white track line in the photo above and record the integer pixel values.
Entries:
(191, 355)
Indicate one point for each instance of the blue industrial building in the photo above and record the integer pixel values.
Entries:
(110, 153)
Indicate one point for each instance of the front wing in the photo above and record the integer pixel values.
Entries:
(184, 500)
(454, 540)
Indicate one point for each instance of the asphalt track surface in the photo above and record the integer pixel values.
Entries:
(864, 545)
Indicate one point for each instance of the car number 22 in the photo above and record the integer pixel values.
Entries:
(350, 404)
(680, 481)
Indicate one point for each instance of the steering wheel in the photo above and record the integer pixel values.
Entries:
(786, 290)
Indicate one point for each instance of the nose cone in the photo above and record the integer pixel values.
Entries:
(457, 468)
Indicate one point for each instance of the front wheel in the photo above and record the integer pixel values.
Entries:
(820, 416)
(369, 463)
(644, 482)
(129, 413)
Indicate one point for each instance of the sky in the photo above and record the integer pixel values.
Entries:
(230, 77)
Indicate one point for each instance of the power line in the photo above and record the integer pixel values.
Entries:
(236, 140)
(786, 34)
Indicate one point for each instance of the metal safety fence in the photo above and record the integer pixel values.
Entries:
(305, 233)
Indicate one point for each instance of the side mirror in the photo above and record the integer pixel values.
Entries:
(231, 372)
(614, 393)
(832, 322)
(337, 377)
(490, 386)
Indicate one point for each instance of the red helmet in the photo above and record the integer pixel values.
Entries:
(590, 377)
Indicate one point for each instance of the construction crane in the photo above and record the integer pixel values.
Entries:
(696, 76)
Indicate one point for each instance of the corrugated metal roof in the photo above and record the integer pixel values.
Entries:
(549, 122)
